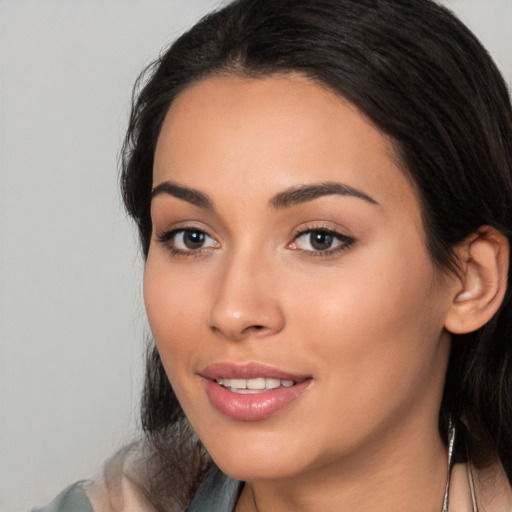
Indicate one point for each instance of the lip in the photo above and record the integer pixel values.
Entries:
(247, 371)
(251, 407)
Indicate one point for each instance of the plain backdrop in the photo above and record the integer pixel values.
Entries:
(71, 315)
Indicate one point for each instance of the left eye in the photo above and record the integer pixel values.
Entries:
(319, 240)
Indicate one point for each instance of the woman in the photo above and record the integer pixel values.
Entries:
(323, 193)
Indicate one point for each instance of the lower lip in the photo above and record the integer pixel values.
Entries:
(252, 407)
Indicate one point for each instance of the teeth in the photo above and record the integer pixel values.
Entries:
(256, 384)
(272, 383)
(238, 383)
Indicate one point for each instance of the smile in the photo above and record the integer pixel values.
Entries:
(253, 391)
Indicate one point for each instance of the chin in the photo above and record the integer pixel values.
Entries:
(256, 470)
(252, 460)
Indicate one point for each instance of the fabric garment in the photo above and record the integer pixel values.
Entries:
(217, 493)
(71, 499)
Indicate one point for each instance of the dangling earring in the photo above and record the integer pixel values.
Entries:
(451, 461)
(451, 446)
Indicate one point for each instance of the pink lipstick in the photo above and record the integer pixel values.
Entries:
(251, 392)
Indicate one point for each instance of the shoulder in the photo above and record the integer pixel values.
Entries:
(98, 496)
(71, 499)
(114, 491)
(122, 488)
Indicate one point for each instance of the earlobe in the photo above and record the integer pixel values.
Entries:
(484, 259)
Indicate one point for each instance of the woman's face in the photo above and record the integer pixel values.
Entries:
(288, 288)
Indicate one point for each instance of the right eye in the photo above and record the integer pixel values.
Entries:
(187, 240)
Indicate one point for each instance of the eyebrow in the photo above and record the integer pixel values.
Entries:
(304, 193)
(291, 197)
(185, 193)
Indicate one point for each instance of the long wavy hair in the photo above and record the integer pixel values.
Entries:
(427, 83)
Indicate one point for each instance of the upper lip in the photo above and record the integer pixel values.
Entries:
(226, 370)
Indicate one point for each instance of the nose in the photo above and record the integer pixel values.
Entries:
(246, 303)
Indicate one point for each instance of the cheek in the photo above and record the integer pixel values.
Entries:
(173, 304)
(376, 325)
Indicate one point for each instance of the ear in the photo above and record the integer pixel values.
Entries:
(482, 283)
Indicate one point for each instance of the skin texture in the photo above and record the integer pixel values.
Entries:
(365, 323)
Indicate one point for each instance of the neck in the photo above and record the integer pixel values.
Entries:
(409, 473)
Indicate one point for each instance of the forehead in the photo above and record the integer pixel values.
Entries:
(277, 131)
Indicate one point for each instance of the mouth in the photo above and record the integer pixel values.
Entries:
(253, 391)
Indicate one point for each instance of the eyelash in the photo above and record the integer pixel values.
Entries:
(345, 242)
(168, 239)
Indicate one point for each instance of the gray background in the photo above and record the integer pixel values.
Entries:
(71, 314)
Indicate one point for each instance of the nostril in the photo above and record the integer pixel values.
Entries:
(254, 328)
